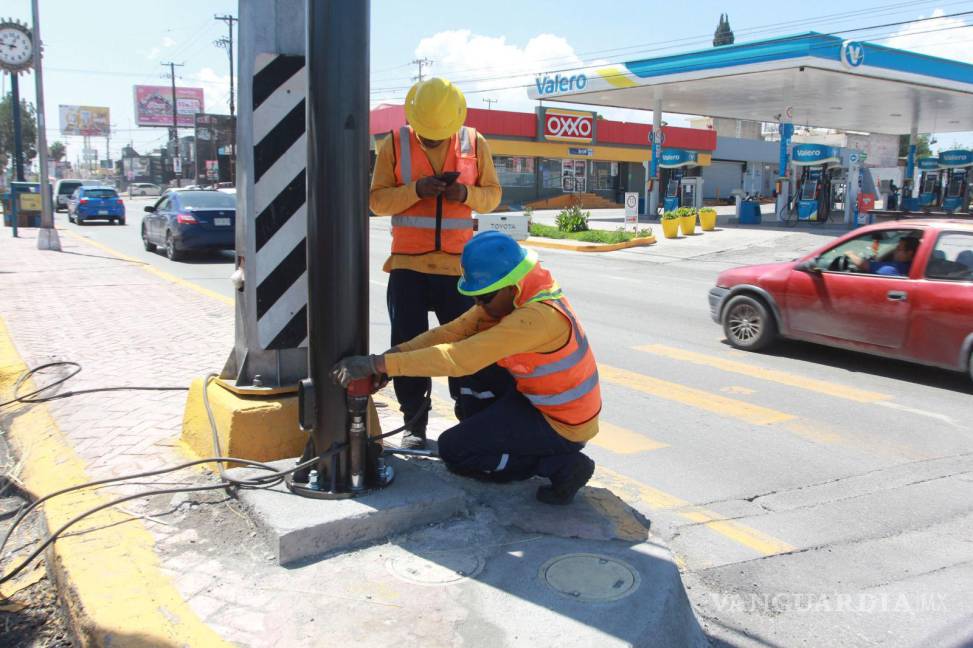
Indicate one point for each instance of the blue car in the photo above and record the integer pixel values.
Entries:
(96, 203)
(190, 219)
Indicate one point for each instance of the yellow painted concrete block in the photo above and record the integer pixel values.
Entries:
(250, 427)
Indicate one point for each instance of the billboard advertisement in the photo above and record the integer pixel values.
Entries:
(153, 105)
(136, 167)
(85, 120)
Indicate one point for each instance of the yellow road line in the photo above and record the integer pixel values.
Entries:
(153, 270)
(692, 397)
(633, 490)
(115, 587)
(773, 375)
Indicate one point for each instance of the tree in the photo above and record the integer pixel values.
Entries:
(923, 145)
(28, 127)
(57, 151)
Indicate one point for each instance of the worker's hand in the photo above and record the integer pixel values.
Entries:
(429, 187)
(354, 368)
(456, 192)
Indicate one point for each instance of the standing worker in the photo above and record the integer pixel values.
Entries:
(543, 407)
(430, 176)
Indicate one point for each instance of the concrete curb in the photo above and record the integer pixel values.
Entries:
(109, 574)
(556, 244)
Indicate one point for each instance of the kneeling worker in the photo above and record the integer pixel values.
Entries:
(540, 409)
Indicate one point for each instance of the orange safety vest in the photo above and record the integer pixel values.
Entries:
(562, 384)
(433, 224)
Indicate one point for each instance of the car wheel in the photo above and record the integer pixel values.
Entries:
(146, 243)
(78, 219)
(748, 324)
(970, 365)
(121, 221)
(172, 252)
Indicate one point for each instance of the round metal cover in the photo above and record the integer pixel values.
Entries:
(440, 568)
(590, 577)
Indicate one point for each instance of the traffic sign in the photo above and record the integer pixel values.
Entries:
(632, 208)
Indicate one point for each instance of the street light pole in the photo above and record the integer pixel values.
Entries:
(18, 130)
(174, 135)
(47, 238)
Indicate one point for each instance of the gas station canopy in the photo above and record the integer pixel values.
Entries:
(809, 79)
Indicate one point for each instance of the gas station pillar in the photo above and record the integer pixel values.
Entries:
(653, 198)
(783, 193)
(910, 165)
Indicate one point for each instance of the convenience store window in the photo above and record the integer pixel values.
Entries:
(515, 171)
(601, 176)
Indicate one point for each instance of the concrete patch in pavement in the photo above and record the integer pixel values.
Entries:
(301, 528)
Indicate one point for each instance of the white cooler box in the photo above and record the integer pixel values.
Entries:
(516, 225)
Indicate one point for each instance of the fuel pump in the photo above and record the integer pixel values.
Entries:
(684, 188)
(957, 166)
(814, 163)
(930, 183)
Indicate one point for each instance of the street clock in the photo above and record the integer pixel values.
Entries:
(16, 47)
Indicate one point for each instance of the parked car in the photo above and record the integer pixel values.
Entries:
(184, 220)
(144, 189)
(861, 293)
(96, 203)
(62, 192)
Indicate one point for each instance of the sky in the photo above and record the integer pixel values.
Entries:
(491, 49)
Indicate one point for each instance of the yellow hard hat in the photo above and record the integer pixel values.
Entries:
(435, 109)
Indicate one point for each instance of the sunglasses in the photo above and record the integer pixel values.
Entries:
(486, 298)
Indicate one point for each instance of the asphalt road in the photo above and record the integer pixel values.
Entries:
(812, 496)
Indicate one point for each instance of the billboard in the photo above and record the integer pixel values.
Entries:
(153, 105)
(85, 120)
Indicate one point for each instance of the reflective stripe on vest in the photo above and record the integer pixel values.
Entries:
(567, 361)
(566, 396)
(405, 144)
(429, 222)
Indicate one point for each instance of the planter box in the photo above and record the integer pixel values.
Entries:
(707, 220)
(688, 224)
(670, 228)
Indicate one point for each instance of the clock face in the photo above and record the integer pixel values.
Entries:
(16, 49)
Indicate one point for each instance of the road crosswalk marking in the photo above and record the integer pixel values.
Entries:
(836, 390)
(698, 398)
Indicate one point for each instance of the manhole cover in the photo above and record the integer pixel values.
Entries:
(439, 568)
(590, 577)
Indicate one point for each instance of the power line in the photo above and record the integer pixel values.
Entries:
(421, 62)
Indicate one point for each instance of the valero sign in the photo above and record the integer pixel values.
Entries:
(929, 163)
(958, 158)
(672, 158)
(548, 85)
(805, 154)
(568, 125)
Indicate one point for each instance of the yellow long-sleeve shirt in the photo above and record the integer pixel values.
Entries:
(388, 198)
(474, 340)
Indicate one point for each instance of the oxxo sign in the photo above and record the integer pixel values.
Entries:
(568, 126)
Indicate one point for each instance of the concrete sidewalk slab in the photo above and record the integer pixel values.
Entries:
(299, 527)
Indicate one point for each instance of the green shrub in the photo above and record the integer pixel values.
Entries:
(589, 236)
(573, 219)
(671, 215)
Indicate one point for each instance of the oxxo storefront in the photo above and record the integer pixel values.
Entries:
(555, 156)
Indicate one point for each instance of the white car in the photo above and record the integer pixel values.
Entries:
(62, 193)
(144, 189)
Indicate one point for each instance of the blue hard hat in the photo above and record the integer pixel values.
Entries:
(491, 261)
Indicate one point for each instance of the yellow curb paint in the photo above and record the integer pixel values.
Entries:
(757, 541)
(698, 398)
(835, 390)
(116, 591)
(555, 244)
(152, 270)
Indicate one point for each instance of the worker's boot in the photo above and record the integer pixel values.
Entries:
(414, 440)
(564, 487)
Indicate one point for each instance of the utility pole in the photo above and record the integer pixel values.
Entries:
(174, 135)
(228, 44)
(422, 62)
(18, 133)
(489, 103)
(47, 238)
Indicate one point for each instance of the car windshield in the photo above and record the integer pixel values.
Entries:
(207, 199)
(100, 193)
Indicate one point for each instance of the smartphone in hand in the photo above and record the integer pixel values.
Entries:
(449, 177)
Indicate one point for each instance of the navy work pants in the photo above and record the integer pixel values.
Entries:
(411, 296)
(507, 438)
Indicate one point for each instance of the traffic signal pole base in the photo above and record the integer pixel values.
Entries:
(300, 527)
(47, 239)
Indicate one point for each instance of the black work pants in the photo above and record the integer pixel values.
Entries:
(507, 439)
(411, 296)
